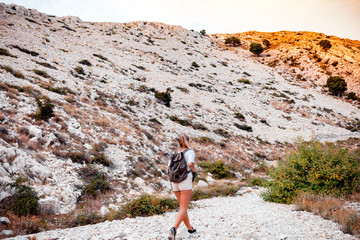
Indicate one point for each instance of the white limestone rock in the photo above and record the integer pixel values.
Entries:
(49, 205)
(202, 183)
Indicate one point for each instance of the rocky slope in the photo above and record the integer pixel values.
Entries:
(102, 79)
(301, 59)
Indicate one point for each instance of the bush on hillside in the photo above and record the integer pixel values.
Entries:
(45, 109)
(148, 205)
(233, 41)
(352, 96)
(218, 169)
(203, 32)
(337, 85)
(325, 44)
(256, 48)
(215, 191)
(25, 201)
(317, 168)
(266, 43)
(164, 97)
(98, 184)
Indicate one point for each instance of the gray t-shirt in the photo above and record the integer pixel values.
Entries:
(189, 157)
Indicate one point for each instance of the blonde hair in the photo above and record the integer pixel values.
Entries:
(183, 141)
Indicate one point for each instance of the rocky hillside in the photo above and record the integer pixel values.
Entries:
(76, 96)
(300, 57)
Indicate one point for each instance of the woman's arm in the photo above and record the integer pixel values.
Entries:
(192, 167)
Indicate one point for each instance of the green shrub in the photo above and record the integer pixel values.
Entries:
(182, 122)
(195, 65)
(98, 184)
(80, 70)
(100, 56)
(148, 205)
(78, 157)
(352, 96)
(41, 73)
(86, 219)
(45, 109)
(102, 159)
(243, 127)
(337, 86)
(221, 132)
(59, 90)
(266, 43)
(256, 48)
(218, 169)
(13, 72)
(215, 191)
(164, 97)
(233, 41)
(45, 64)
(5, 52)
(262, 182)
(317, 168)
(325, 44)
(239, 116)
(25, 200)
(85, 62)
(203, 32)
(32, 53)
(243, 80)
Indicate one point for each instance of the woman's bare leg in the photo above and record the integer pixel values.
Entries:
(184, 200)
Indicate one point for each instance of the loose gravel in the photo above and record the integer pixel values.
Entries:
(242, 217)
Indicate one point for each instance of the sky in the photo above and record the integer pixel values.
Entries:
(332, 17)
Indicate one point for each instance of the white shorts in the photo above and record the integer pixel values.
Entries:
(183, 185)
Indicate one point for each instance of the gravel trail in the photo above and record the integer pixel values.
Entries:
(242, 217)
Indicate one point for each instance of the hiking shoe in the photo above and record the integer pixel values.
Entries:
(193, 230)
(172, 233)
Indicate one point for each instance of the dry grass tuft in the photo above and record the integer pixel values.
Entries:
(330, 208)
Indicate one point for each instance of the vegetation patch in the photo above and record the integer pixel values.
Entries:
(218, 169)
(5, 52)
(44, 64)
(59, 90)
(79, 70)
(25, 201)
(256, 48)
(148, 205)
(45, 109)
(330, 208)
(85, 62)
(101, 57)
(13, 72)
(32, 53)
(42, 73)
(96, 184)
(215, 191)
(164, 97)
(244, 81)
(182, 122)
(317, 168)
(243, 127)
(234, 41)
(336, 85)
(222, 132)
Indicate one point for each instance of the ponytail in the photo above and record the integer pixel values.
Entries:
(183, 141)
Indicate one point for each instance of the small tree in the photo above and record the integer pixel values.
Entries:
(256, 48)
(325, 44)
(233, 41)
(203, 32)
(337, 86)
(266, 43)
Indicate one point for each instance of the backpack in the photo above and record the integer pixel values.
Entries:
(178, 167)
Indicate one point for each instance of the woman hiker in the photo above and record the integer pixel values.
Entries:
(181, 178)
